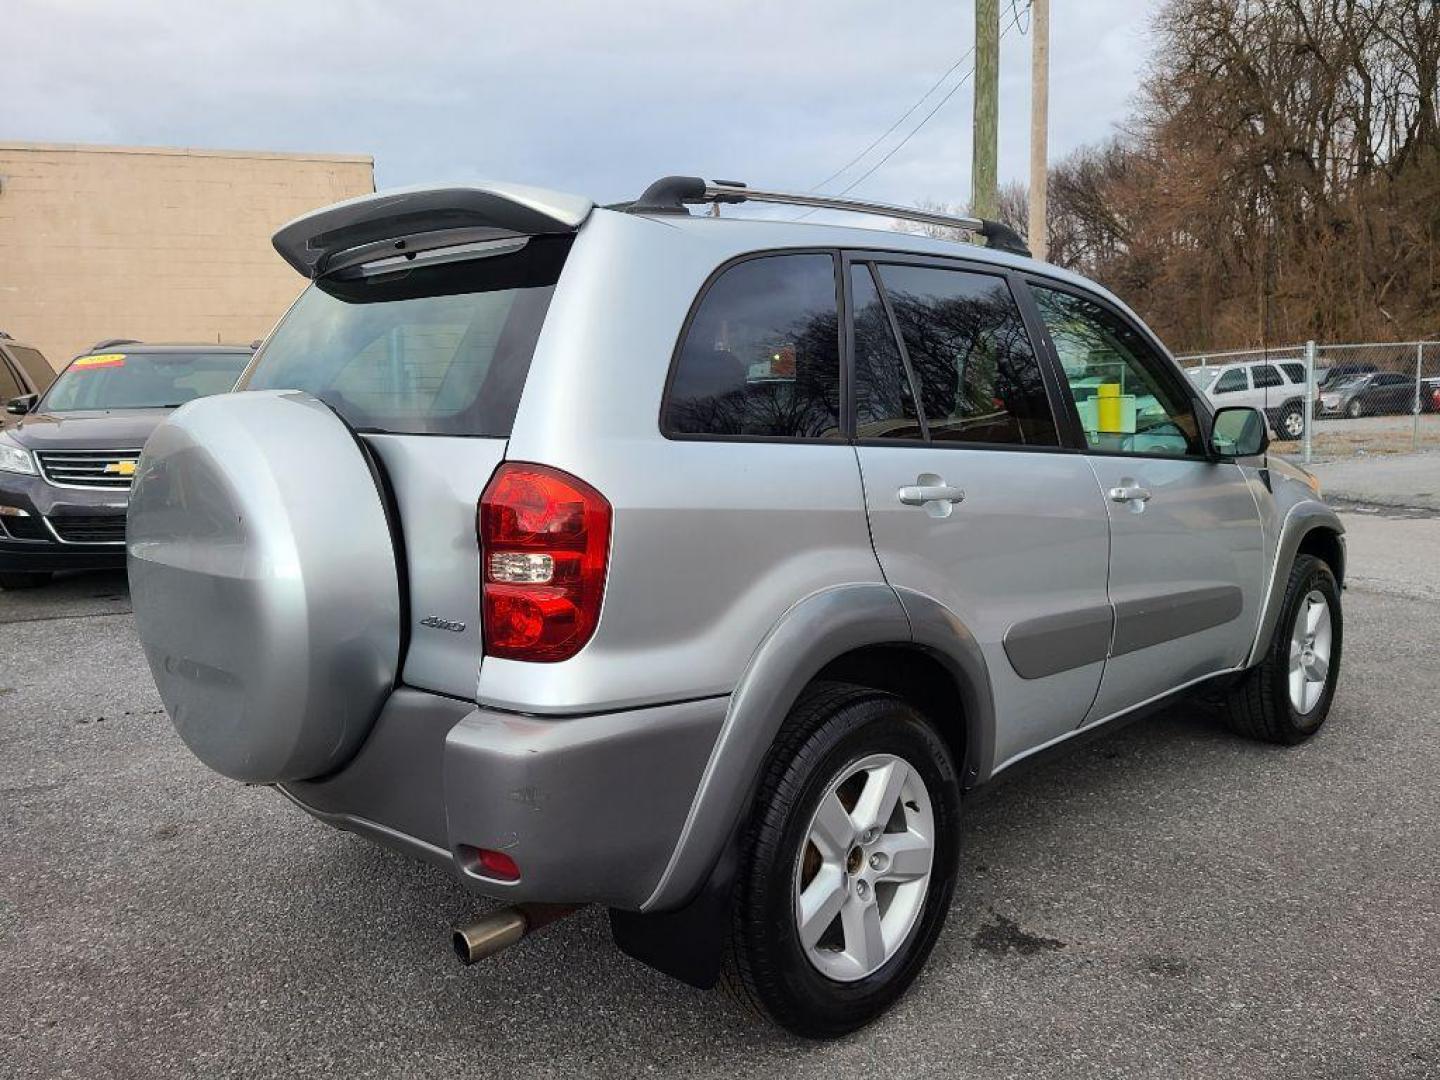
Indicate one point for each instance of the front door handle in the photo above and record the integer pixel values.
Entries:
(1129, 493)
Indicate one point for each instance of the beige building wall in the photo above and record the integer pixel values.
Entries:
(153, 243)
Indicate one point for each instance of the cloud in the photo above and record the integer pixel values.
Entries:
(595, 97)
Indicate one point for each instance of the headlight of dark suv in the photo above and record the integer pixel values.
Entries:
(15, 459)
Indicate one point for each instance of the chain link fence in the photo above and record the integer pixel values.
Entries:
(1329, 402)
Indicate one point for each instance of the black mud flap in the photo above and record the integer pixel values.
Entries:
(688, 943)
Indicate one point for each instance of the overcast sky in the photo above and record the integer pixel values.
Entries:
(593, 97)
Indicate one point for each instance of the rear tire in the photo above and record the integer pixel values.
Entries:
(842, 747)
(1292, 423)
(24, 581)
(1271, 702)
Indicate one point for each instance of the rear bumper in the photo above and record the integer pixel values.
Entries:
(34, 542)
(589, 807)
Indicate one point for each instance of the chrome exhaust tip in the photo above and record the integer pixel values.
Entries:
(497, 931)
(489, 934)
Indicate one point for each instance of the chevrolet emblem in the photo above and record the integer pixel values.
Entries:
(120, 468)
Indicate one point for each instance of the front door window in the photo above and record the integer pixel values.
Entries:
(1126, 406)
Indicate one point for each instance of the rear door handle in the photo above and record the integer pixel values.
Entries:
(920, 494)
(1129, 493)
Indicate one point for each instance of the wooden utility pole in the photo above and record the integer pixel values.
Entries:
(1039, 126)
(983, 197)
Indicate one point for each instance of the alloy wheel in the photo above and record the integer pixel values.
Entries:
(863, 872)
(1310, 644)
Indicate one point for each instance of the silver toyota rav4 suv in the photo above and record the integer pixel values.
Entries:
(697, 567)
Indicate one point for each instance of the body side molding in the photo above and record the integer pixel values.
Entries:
(1051, 644)
(1159, 616)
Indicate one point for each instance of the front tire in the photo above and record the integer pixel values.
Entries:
(1355, 410)
(1286, 697)
(848, 863)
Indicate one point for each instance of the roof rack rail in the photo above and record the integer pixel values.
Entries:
(111, 342)
(671, 194)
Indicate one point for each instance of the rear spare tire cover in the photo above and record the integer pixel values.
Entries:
(263, 578)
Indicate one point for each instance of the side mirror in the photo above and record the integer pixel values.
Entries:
(1239, 431)
(21, 405)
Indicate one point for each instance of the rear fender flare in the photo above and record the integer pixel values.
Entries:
(815, 631)
(681, 930)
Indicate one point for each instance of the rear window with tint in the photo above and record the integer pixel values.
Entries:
(425, 350)
(761, 357)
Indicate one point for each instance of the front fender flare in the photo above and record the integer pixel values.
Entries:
(1302, 519)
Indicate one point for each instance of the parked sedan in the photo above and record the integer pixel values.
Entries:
(1368, 395)
(66, 466)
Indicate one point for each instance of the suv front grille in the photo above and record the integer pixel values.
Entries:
(108, 469)
(90, 528)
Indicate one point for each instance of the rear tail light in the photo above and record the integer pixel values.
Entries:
(544, 544)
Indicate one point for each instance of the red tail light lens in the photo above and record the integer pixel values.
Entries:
(544, 544)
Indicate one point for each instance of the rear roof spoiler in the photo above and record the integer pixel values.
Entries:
(410, 220)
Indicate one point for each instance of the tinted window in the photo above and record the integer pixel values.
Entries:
(34, 365)
(438, 349)
(1265, 375)
(884, 398)
(761, 356)
(1232, 380)
(142, 380)
(9, 384)
(979, 378)
(1295, 371)
(1126, 403)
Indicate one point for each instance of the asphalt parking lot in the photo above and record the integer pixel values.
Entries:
(1166, 901)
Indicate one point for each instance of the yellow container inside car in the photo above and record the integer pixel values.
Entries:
(1109, 416)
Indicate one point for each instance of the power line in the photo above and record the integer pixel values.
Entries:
(910, 135)
(914, 130)
(900, 120)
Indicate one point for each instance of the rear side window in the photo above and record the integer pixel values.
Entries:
(979, 378)
(761, 356)
(1295, 371)
(884, 396)
(430, 350)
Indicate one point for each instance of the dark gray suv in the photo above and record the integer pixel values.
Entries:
(67, 462)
